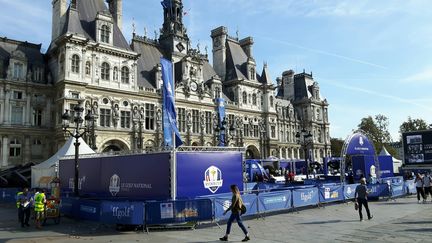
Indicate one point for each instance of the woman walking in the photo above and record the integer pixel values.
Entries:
(236, 205)
(361, 198)
(419, 187)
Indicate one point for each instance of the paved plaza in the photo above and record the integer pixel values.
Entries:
(402, 220)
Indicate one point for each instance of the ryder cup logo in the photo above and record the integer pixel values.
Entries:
(361, 141)
(114, 186)
(213, 178)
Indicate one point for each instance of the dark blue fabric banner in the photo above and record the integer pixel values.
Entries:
(69, 206)
(222, 128)
(360, 144)
(178, 211)
(349, 191)
(89, 210)
(378, 190)
(386, 166)
(305, 197)
(273, 201)
(221, 203)
(331, 193)
(169, 110)
(113, 212)
(8, 194)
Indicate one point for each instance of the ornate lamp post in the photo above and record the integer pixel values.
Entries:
(304, 139)
(75, 133)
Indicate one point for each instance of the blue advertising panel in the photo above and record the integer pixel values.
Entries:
(359, 144)
(144, 176)
(331, 193)
(386, 166)
(89, 210)
(410, 186)
(8, 194)
(305, 197)
(178, 211)
(68, 206)
(222, 203)
(131, 213)
(378, 190)
(208, 173)
(349, 191)
(364, 166)
(67, 174)
(273, 201)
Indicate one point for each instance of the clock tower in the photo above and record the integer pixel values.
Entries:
(173, 35)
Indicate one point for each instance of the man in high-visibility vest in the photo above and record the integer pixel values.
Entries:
(39, 207)
(24, 207)
(19, 193)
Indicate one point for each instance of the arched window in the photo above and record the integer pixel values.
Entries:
(254, 99)
(15, 148)
(125, 75)
(244, 97)
(115, 73)
(75, 63)
(105, 71)
(88, 68)
(105, 34)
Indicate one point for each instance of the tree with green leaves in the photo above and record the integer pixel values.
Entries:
(413, 125)
(336, 146)
(377, 130)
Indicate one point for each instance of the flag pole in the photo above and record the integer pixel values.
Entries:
(174, 157)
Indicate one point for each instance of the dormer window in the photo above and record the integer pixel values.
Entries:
(18, 70)
(252, 73)
(105, 34)
(75, 63)
(254, 99)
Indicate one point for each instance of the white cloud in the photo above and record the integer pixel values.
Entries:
(424, 76)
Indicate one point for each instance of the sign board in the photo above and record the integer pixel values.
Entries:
(417, 147)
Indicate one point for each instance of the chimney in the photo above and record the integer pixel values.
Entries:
(219, 36)
(246, 45)
(116, 10)
(58, 17)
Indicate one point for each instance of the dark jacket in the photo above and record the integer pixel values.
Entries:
(236, 203)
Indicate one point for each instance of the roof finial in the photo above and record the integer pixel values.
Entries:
(145, 31)
(206, 49)
(265, 64)
(237, 33)
(133, 26)
(198, 46)
(155, 33)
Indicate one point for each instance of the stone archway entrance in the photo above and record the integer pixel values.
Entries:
(252, 152)
(114, 146)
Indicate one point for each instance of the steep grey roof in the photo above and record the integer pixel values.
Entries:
(150, 57)
(208, 71)
(32, 52)
(265, 76)
(236, 61)
(82, 21)
(302, 82)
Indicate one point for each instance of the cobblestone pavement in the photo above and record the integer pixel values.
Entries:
(403, 220)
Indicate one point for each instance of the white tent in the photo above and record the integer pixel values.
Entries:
(396, 163)
(43, 173)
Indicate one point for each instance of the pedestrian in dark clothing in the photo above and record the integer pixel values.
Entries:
(235, 208)
(360, 196)
(427, 181)
(24, 207)
(419, 187)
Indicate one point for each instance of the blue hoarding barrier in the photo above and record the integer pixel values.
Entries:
(68, 206)
(378, 190)
(349, 191)
(221, 203)
(8, 194)
(180, 211)
(397, 189)
(305, 197)
(274, 201)
(331, 193)
(89, 210)
(410, 187)
(130, 213)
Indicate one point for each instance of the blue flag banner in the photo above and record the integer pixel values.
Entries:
(169, 111)
(222, 128)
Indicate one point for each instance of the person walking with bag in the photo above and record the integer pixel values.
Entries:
(236, 209)
(361, 199)
(427, 185)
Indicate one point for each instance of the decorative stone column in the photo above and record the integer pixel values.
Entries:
(5, 151)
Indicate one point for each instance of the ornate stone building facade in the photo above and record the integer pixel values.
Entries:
(90, 63)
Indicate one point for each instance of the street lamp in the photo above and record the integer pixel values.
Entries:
(75, 133)
(304, 139)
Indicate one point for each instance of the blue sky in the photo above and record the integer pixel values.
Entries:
(369, 57)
